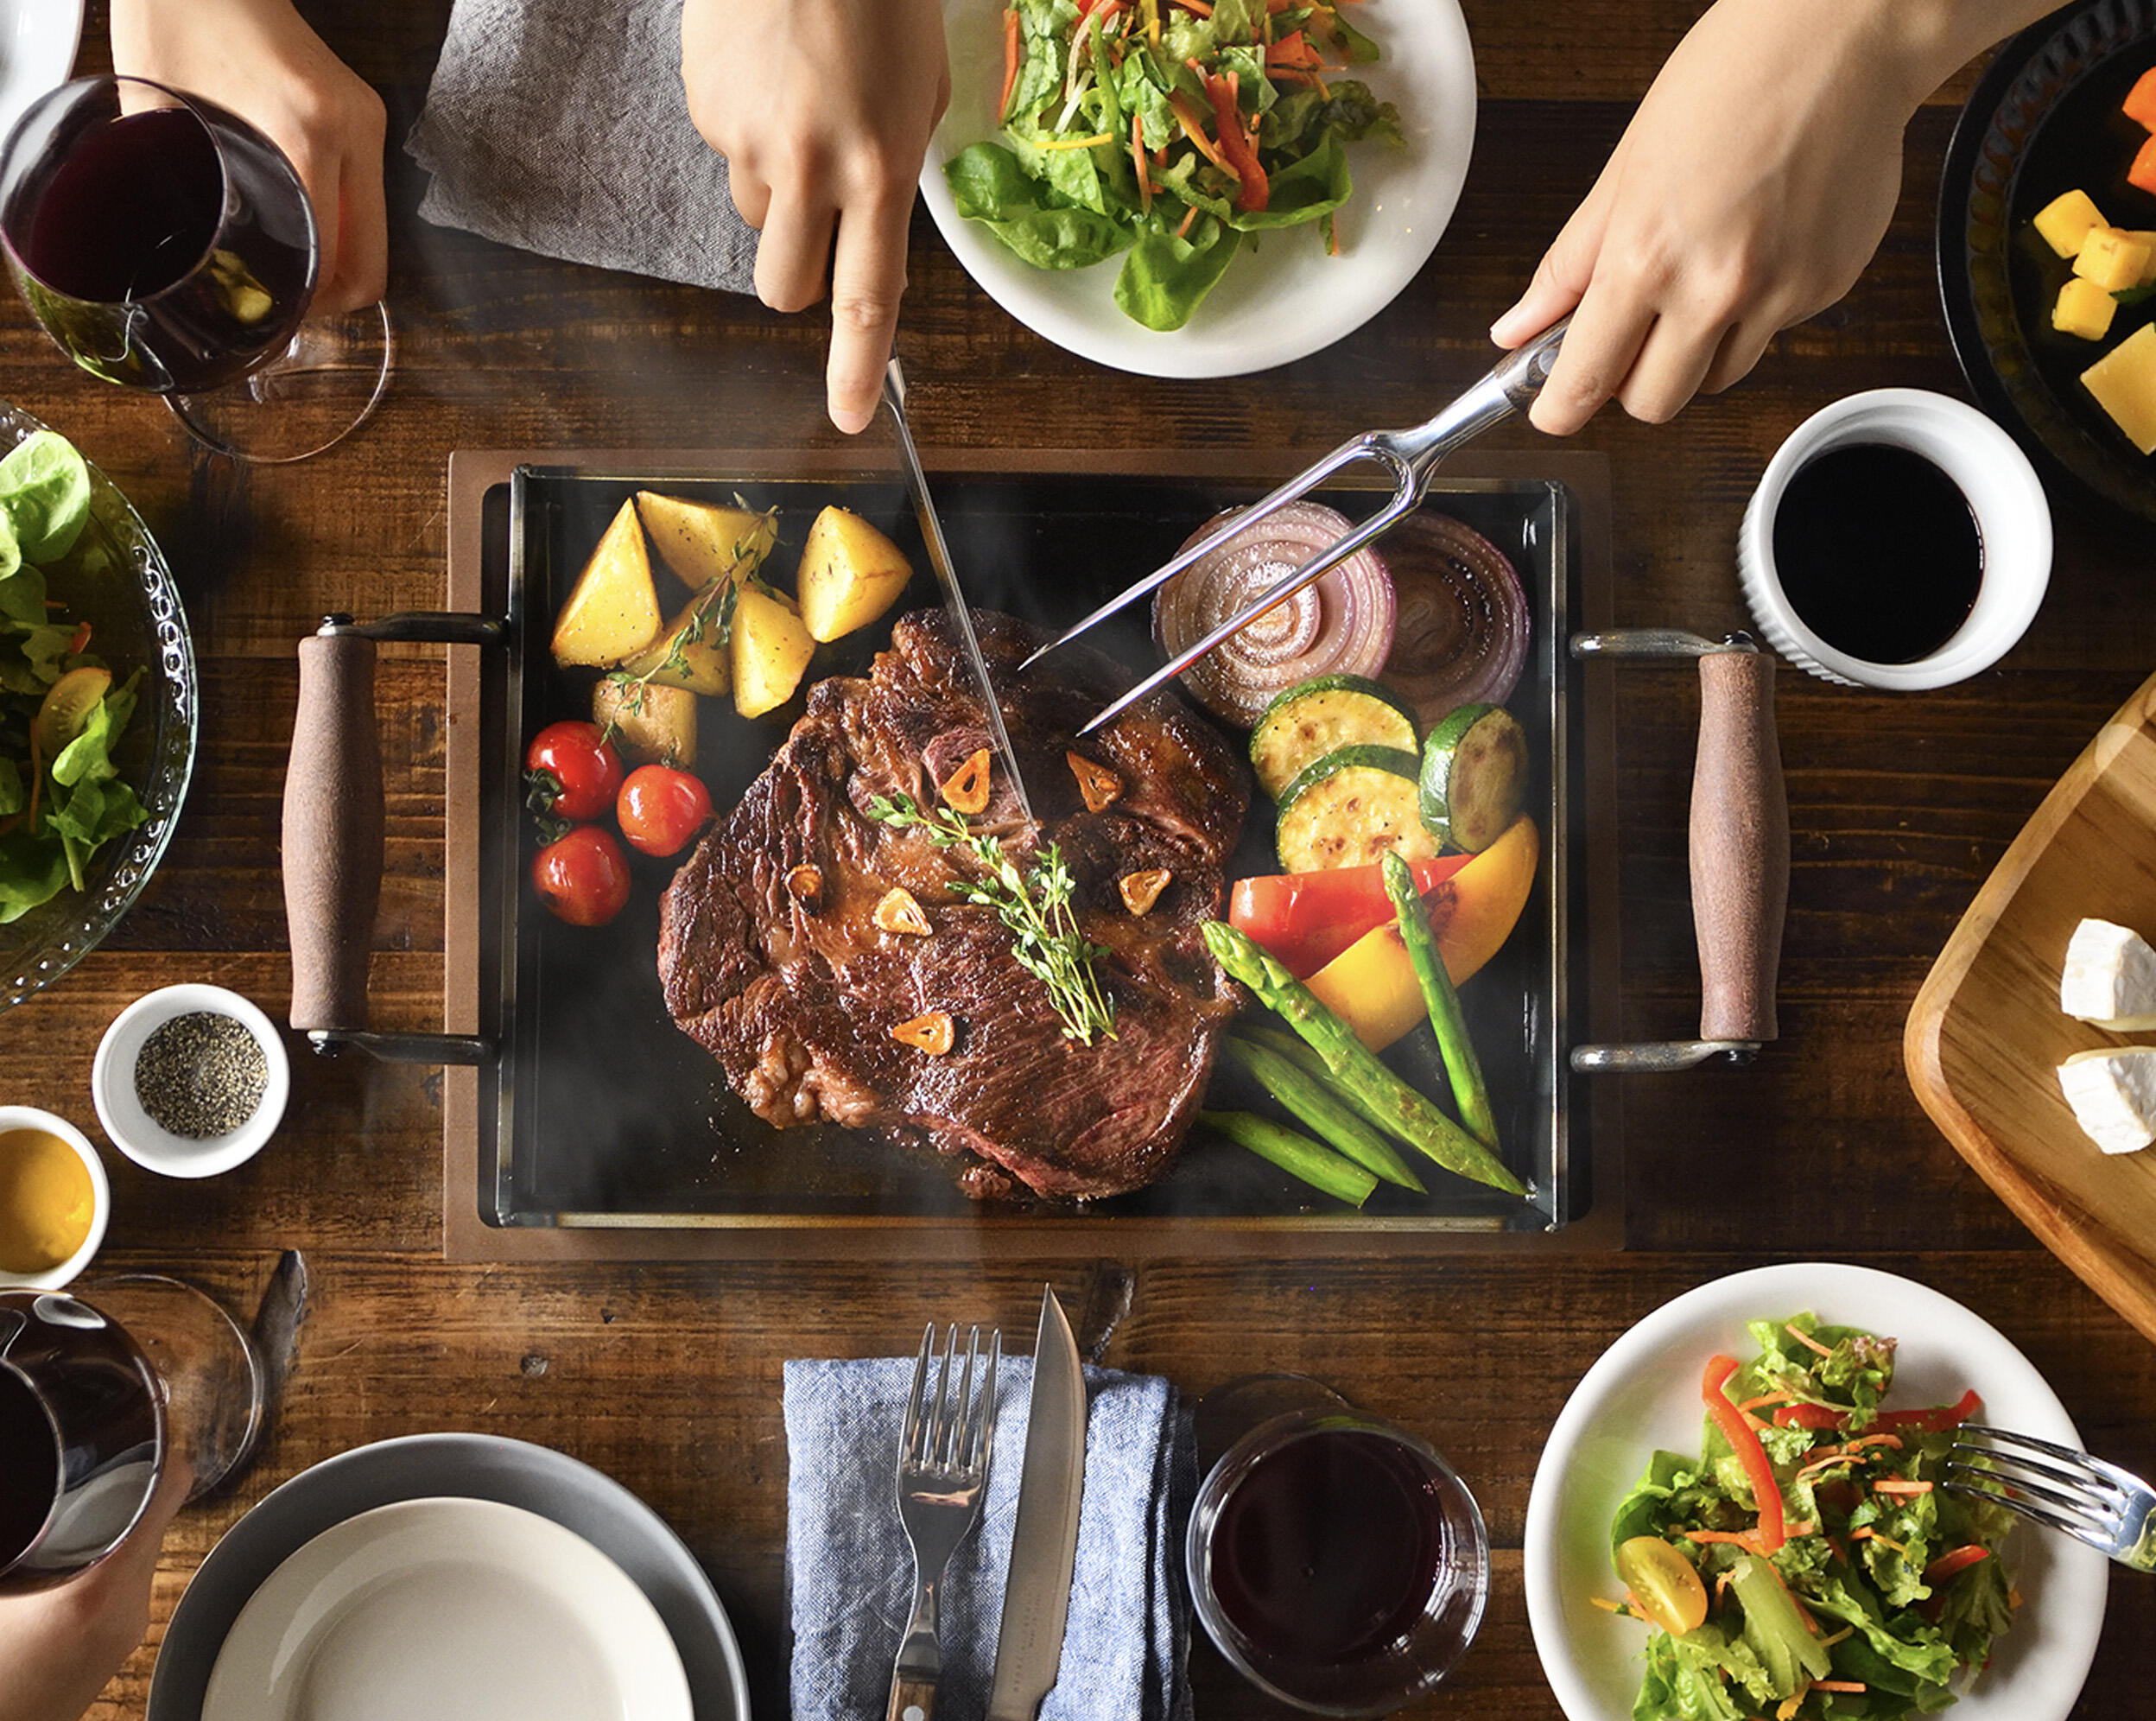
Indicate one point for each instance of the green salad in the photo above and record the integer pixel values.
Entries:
(61, 798)
(1170, 129)
(1807, 1563)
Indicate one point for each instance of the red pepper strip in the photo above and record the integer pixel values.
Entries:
(1193, 127)
(1934, 1421)
(1766, 1492)
(1810, 1416)
(78, 642)
(1953, 1560)
(1254, 191)
(1013, 55)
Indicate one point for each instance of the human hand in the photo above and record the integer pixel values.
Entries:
(259, 58)
(1750, 188)
(823, 111)
(61, 1645)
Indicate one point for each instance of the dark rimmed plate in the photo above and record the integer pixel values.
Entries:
(467, 1466)
(2045, 118)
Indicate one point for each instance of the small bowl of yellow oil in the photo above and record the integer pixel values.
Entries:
(54, 1200)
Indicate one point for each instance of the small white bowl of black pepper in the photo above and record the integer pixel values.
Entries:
(191, 1081)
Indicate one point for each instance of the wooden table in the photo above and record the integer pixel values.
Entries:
(668, 1376)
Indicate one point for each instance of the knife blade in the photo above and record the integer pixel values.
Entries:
(1044, 1537)
(946, 577)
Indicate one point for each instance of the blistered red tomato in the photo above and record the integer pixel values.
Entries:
(585, 770)
(661, 809)
(583, 877)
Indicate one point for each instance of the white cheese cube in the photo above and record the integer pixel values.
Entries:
(2113, 1092)
(2109, 978)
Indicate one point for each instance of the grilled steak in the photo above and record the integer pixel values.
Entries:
(771, 958)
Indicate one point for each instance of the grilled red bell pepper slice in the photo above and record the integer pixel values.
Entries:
(1305, 919)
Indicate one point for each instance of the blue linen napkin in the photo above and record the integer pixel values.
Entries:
(850, 1572)
(564, 130)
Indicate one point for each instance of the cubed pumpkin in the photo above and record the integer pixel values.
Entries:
(2123, 382)
(2065, 221)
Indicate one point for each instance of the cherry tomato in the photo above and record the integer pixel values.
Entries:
(584, 768)
(584, 877)
(662, 808)
(1664, 1583)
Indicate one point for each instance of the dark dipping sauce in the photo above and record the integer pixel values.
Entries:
(1878, 552)
(1329, 1551)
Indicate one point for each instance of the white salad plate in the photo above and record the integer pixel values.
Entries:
(449, 1606)
(1644, 1395)
(38, 40)
(430, 1468)
(1283, 298)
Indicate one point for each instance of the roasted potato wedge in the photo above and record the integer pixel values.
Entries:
(850, 574)
(613, 611)
(703, 541)
(693, 652)
(770, 648)
(650, 724)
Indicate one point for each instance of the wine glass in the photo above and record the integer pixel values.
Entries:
(97, 1398)
(166, 244)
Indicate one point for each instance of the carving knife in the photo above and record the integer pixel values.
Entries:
(946, 577)
(1044, 1539)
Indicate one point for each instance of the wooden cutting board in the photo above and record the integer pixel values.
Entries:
(1986, 1036)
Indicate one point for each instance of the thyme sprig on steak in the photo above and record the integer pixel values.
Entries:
(1034, 905)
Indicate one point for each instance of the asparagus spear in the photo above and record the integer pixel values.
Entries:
(1386, 1100)
(1310, 1098)
(1318, 1166)
(1470, 1093)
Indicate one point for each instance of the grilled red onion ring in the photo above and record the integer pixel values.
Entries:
(1340, 623)
(1463, 628)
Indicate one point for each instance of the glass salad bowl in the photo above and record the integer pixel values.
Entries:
(116, 580)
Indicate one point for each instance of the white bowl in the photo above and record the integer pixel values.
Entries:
(135, 1133)
(2003, 489)
(1644, 1395)
(30, 1117)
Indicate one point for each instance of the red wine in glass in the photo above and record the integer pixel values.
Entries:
(97, 1398)
(167, 245)
(82, 1437)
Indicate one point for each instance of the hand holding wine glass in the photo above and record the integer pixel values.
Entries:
(61, 1645)
(260, 59)
(167, 245)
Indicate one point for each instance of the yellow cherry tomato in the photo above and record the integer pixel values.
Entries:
(1662, 1583)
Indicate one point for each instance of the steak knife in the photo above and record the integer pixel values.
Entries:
(946, 577)
(1044, 1539)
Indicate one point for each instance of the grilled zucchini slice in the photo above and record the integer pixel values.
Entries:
(1321, 715)
(1474, 776)
(1347, 808)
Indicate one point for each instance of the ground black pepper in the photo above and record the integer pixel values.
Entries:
(200, 1075)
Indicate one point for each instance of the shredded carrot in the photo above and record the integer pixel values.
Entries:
(1197, 6)
(1189, 215)
(1893, 1485)
(1013, 57)
(1193, 127)
(1839, 1685)
(1782, 1397)
(1137, 160)
(1745, 1539)
(1606, 1604)
(1806, 1339)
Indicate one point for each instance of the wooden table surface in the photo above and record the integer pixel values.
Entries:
(667, 1376)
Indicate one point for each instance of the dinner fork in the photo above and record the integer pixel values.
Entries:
(2096, 1502)
(943, 1454)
